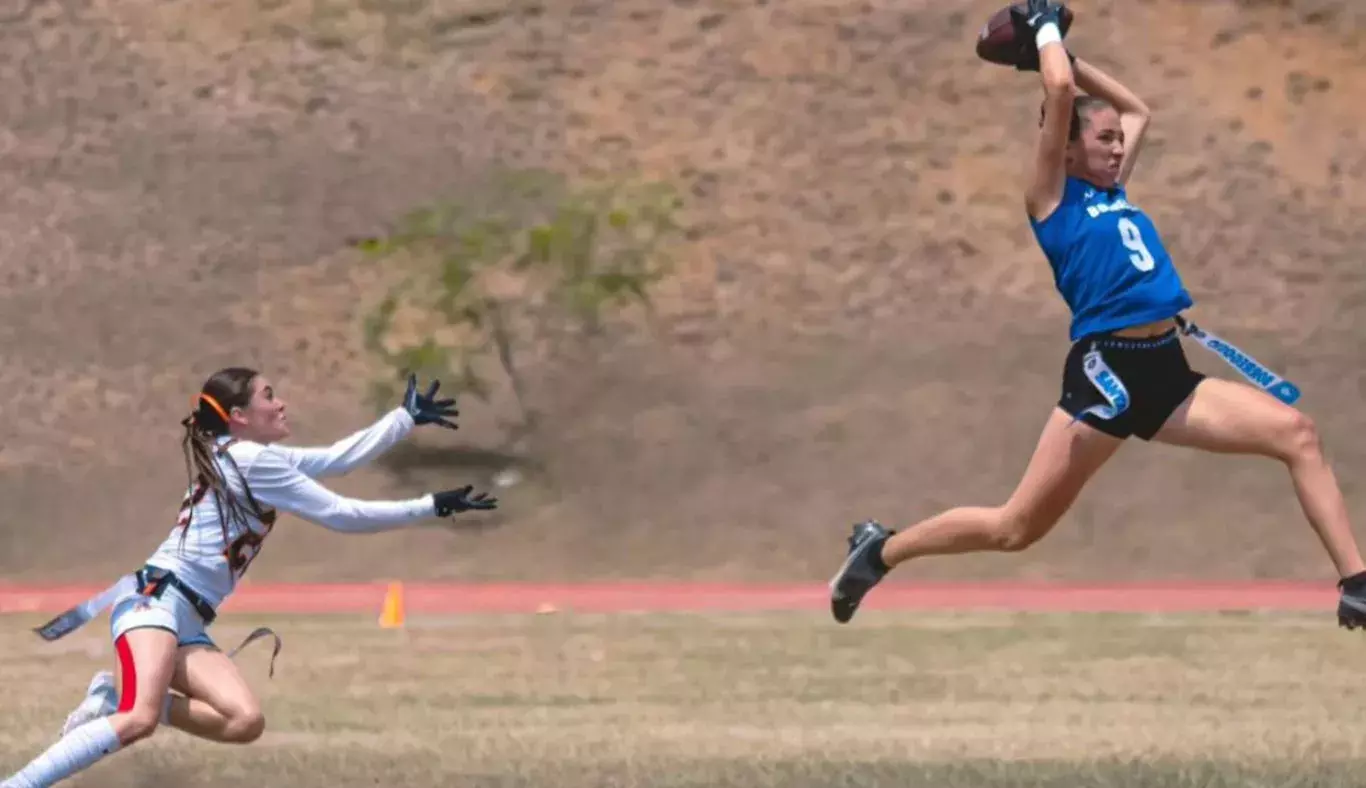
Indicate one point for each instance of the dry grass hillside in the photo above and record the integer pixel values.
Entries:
(859, 324)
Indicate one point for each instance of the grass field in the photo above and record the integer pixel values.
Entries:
(750, 700)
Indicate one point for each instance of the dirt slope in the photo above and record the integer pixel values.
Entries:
(861, 325)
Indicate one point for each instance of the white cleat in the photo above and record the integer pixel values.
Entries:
(101, 700)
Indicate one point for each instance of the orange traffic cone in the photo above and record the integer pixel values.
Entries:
(391, 615)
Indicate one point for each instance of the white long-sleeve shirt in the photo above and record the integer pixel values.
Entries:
(281, 478)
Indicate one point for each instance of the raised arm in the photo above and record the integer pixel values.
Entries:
(361, 447)
(1049, 176)
(1133, 113)
(352, 451)
(275, 481)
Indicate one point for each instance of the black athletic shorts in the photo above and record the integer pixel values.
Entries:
(1153, 372)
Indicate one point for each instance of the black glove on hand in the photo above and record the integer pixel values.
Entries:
(455, 501)
(426, 410)
(1032, 16)
(1029, 18)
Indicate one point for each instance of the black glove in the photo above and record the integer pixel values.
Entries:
(456, 501)
(1031, 16)
(1028, 18)
(426, 410)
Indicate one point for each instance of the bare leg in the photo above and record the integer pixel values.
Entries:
(218, 704)
(1068, 454)
(146, 661)
(1065, 459)
(1234, 418)
(214, 702)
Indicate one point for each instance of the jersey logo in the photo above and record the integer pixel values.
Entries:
(1117, 206)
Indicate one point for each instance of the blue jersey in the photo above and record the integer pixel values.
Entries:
(1108, 261)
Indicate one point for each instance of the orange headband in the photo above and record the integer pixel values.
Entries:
(213, 403)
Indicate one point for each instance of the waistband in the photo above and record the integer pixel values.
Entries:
(1111, 341)
(154, 580)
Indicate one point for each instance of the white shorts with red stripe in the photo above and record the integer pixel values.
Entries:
(169, 610)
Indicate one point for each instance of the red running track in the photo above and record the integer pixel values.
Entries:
(454, 598)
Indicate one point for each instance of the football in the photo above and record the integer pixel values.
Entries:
(996, 43)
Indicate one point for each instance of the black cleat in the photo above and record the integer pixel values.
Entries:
(1352, 604)
(862, 570)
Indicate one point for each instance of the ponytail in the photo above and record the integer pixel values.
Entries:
(227, 389)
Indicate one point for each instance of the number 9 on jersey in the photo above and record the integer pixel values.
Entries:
(1132, 238)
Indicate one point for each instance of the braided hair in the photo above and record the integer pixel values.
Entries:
(224, 390)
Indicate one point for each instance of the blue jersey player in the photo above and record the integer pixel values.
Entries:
(1126, 374)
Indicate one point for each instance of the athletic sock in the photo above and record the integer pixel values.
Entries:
(75, 752)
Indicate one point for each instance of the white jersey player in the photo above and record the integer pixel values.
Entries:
(240, 478)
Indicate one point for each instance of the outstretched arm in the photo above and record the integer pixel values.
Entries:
(352, 451)
(1133, 113)
(275, 481)
(1049, 177)
(363, 446)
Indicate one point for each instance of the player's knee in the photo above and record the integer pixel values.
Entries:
(1016, 531)
(138, 724)
(245, 726)
(1013, 540)
(1300, 438)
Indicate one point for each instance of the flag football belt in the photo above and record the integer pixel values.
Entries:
(1104, 380)
(1247, 366)
(153, 582)
(150, 581)
(1117, 400)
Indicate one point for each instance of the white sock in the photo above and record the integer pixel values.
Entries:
(76, 751)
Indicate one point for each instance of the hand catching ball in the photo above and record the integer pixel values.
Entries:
(1005, 39)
